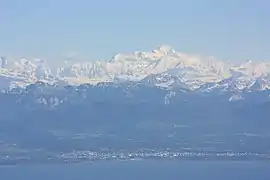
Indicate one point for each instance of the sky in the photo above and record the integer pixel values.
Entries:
(234, 30)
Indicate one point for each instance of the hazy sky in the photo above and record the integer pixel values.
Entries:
(97, 29)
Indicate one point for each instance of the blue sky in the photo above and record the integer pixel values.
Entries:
(97, 29)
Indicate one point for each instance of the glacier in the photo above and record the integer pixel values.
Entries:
(163, 66)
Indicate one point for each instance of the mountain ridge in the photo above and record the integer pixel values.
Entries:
(135, 103)
(163, 66)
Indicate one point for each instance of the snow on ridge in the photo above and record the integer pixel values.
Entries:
(191, 70)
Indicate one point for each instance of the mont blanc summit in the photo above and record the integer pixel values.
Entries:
(163, 66)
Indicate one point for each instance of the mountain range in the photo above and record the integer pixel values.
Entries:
(162, 67)
(156, 100)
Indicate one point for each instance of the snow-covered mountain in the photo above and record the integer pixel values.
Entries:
(163, 67)
(162, 99)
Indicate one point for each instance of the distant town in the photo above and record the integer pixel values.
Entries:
(142, 154)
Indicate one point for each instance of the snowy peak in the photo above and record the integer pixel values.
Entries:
(163, 66)
(252, 69)
(165, 50)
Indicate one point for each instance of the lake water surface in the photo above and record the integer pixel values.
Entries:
(141, 170)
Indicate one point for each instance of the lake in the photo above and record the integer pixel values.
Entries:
(141, 170)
